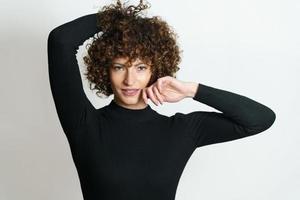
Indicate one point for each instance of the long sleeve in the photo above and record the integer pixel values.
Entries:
(64, 75)
(240, 117)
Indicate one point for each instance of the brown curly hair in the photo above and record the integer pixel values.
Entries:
(126, 33)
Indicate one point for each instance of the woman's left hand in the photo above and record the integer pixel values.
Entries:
(168, 89)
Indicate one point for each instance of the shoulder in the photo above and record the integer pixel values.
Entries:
(198, 115)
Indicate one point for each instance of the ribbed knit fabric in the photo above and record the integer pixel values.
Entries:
(126, 154)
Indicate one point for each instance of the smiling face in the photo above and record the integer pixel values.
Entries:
(128, 80)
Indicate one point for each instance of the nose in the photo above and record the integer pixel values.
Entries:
(129, 76)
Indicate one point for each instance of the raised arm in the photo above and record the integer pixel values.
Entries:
(240, 117)
(64, 75)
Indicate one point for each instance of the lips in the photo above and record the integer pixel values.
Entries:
(130, 92)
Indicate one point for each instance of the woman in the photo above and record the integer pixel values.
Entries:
(126, 150)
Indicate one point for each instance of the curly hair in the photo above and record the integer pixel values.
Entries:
(127, 33)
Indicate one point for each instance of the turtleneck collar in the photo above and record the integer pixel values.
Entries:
(117, 111)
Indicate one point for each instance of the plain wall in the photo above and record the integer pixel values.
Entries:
(250, 47)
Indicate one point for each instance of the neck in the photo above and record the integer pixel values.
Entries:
(119, 112)
(139, 105)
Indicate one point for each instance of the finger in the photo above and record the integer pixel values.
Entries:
(159, 97)
(145, 95)
(151, 95)
(160, 85)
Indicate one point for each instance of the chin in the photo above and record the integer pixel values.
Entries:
(129, 100)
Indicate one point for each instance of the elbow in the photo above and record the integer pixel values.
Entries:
(263, 122)
(272, 117)
(54, 35)
(58, 35)
(269, 119)
(52, 38)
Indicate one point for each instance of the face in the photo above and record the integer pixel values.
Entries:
(127, 81)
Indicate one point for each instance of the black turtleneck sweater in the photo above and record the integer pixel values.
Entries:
(126, 154)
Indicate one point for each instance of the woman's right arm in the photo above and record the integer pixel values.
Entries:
(65, 81)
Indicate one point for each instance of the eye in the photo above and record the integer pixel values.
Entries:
(117, 68)
(141, 67)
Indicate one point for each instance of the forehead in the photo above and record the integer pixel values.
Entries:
(123, 60)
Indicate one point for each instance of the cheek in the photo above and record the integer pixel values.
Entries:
(149, 75)
(145, 77)
(115, 79)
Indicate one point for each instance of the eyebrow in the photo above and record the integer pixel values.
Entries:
(123, 64)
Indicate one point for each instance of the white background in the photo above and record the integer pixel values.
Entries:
(250, 47)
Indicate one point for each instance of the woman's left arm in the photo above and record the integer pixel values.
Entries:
(240, 116)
